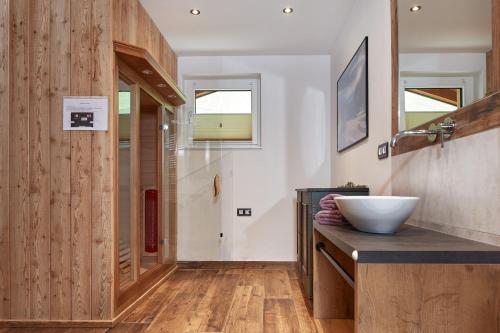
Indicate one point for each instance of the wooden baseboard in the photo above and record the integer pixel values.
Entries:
(236, 264)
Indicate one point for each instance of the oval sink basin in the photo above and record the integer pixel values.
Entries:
(377, 214)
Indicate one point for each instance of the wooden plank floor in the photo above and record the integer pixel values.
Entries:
(222, 297)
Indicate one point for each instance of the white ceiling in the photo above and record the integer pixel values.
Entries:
(239, 27)
(445, 26)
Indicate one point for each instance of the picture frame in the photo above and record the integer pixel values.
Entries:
(352, 100)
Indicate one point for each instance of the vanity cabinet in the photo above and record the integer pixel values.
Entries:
(416, 280)
(307, 207)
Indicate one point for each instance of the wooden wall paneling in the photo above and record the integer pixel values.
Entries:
(125, 20)
(4, 161)
(102, 164)
(132, 25)
(19, 160)
(60, 163)
(39, 158)
(143, 28)
(81, 146)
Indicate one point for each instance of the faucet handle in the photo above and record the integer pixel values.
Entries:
(444, 130)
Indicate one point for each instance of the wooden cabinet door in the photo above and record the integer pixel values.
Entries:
(299, 231)
(305, 237)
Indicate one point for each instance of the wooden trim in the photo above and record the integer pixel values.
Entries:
(143, 297)
(129, 295)
(116, 185)
(135, 181)
(132, 76)
(291, 265)
(143, 284)
(140, 59)
(471, 119)
(480, 116)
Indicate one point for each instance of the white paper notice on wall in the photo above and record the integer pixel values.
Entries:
(85, 113)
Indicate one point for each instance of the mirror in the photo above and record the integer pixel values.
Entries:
(444, 52)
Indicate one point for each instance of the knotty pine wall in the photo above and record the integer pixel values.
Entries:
(56, 187)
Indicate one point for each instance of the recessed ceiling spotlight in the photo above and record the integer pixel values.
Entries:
(415, 8)
(288, 10)
(195, 11)
(147, 71)
(161, 85)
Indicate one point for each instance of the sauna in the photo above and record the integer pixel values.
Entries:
(88, 217)
(145, 224)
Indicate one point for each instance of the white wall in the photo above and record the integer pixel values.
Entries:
(296, 145)
(360, 163)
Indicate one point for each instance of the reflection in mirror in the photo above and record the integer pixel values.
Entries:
(444, 50)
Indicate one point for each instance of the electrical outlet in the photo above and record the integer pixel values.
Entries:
(244, 212)
(383, 151)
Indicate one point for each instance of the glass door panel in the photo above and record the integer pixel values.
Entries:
(150, 153)
(125, 220)
(167, 178)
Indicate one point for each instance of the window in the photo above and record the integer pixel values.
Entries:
(425, 98)
(433, 99)
(224, 111)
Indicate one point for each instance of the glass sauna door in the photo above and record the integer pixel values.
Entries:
(126, 227)
(150, 180)
(144, 195)
(169, 194)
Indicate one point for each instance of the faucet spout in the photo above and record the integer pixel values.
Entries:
(406, 133)
(443, 130)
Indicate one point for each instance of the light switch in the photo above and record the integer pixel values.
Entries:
(244, 212)
(383, 150)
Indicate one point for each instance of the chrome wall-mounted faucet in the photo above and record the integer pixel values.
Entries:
(444, 130)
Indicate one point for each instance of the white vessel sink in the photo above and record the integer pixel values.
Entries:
(377, 214)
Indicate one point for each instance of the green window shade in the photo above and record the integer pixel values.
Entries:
(415, 119)
(222, 127)
(124, 129)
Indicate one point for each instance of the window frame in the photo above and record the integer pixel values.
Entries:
(223, 82)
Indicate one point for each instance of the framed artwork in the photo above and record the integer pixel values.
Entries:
(352, 100)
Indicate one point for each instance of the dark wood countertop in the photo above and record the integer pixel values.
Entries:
(333, 189)
(409, 245)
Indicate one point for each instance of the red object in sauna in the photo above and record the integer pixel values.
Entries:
(151, 221)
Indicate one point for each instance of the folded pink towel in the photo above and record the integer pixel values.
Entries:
(330, 215)
(328, 201)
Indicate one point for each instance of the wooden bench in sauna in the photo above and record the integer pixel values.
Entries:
(416, 280)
